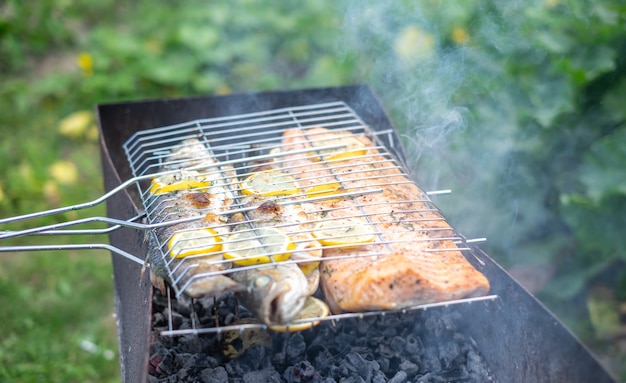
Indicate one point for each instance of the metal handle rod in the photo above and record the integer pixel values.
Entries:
(105, 196)
(114, 221)
(79, 206)
(142, 226)
(90, 246)
(105, 230)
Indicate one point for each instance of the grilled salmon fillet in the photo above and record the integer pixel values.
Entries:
(413, 259)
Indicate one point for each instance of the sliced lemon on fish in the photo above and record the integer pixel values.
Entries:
(260, 245)
(193, 242)
(344, 232)
(270, 183)
(186, 180)
(313, 310)
(324, 190)
(350, 147)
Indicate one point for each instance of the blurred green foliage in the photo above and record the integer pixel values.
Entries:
(519, 107)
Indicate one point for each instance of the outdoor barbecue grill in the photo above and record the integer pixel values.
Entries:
(518, 339)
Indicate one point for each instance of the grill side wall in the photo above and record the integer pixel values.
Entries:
(133, 293)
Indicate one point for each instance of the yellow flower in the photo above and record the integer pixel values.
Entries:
(1, 193)
(93, 133)
(64, 172)
(77, 124)
(460, 35)
(85, 63)
(51, 193)
(413, 45)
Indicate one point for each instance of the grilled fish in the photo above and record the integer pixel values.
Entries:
(202, 192)
(275, 293)
(413, 259)
(293, 220)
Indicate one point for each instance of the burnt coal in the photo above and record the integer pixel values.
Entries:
(420, 346)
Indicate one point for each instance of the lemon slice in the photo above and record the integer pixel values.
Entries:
(350, 147)
(261, 245)
(270, 183)
(185, 180)
(344, 232)
(323, 190)
(193, 242)
(313, 309)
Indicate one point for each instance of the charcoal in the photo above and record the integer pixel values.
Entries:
(477, 368)
(383, 364)
(379, 377)
(158, 320)
(352, 379)
(301, 372)
(180, 358)
(177, 319)
(214, 375)
(430, 360)
(399, 377)
(456, 374)
(279, 359)
(448, 352)
(434, 326)
(256, 358)
(346, 338)
(295, 347)
(410, 368)
(183, 308)
(183, 375)
(191, 344)
(323, 359)
(340, 370)
(197, 361)
(237, 368)
(166, 366)
(363, 327)
(268, 375)
(385, 350)
(397, 344)
(414, 347)
(359, 366)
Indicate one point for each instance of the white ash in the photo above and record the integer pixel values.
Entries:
(422, 346)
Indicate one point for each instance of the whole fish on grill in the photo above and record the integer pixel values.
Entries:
(412, 260)
(275, 293)
(201, 192)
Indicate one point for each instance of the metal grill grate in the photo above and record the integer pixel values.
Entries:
(227, 151)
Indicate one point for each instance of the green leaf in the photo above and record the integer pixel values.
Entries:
(597, 225)
(603, 170)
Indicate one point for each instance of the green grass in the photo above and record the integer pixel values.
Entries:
(56, 305)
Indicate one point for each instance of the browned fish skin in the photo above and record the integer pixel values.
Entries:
(404, 272)
(186, 272)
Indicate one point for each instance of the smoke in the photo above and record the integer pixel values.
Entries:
(439, 68)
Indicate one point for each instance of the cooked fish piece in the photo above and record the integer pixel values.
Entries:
(275, 293)
(411, 261)
(203, 193)
(293, 220)
(286, 212)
